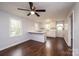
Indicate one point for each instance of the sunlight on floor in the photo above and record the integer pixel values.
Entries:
(18, 52)
(48, 48)
(48, 44)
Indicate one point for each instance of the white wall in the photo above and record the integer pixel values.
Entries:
(67, 30)
(7, 41)
(76, 29)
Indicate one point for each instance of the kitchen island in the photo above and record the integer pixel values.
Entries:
(37, 36)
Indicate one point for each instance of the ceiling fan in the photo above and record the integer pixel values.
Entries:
(32, 10)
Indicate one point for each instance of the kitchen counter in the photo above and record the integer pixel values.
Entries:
(37, 36)
(36, 32)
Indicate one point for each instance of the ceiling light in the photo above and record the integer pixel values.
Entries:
(32, 12)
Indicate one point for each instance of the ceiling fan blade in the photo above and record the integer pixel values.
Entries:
(37, 14)
(28, 14)
(31, 5)
(42, 10)
(23, 9)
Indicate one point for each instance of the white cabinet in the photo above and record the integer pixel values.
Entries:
(51, 33)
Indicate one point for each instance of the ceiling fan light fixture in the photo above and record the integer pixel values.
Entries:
(32, 12)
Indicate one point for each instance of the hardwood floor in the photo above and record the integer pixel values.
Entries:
(52, 47)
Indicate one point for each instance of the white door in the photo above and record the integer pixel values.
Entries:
(59, 29)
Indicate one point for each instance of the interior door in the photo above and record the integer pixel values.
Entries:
(59, 29)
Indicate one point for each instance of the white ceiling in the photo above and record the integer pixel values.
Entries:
(57, 10)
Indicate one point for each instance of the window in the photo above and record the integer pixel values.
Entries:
(15, 28)
(59, 27)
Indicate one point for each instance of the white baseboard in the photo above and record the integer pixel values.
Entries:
(12, 45)
(17, 44)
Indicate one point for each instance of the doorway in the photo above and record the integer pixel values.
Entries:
(59, 29)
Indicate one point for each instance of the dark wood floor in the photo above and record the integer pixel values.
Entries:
(52, 47)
